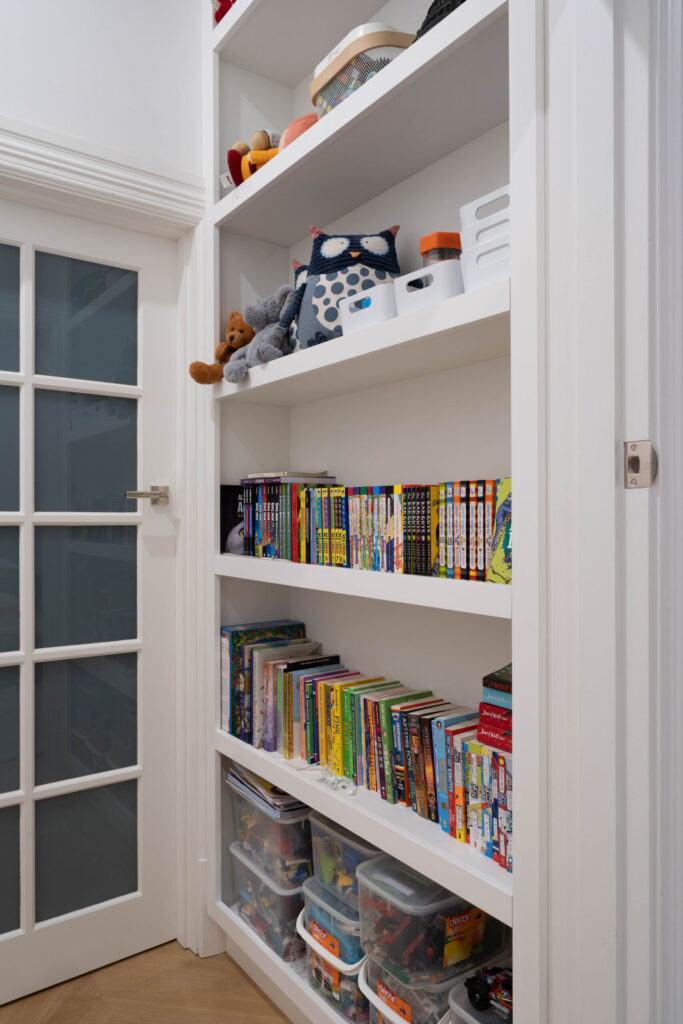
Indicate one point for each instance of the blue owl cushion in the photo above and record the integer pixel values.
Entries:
(340, 266)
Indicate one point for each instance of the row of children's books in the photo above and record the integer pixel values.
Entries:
(451, 764)
(455, 530)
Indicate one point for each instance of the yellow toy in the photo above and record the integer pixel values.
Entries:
(243, 161)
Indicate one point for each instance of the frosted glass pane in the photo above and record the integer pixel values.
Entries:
(9, 869)
(9, 729)
(86, 584)
(86, 320)
(85, 716)
(9, 307)
(86, 848)
(85, 452)
(9, 588)
(9, 449)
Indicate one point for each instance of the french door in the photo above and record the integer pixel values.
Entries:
(87, 596)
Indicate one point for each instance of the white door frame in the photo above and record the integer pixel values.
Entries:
(44, 169)
(666, 946)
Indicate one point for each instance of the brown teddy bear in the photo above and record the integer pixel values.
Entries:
(238, 333)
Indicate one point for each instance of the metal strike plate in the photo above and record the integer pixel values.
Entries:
(158, 494)
(640, 464)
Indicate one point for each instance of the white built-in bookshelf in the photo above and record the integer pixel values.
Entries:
(448, 393)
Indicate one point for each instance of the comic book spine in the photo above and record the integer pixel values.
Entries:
(418, 781)
(440, 773)
(450, 786)
(347, 734)
(497, 698)
(429, 769)
(346, 557)
(481, 532)
(351, 512)
(489, 520)
(293, 518)
(225, 681)
(407, 549)
(460, 789)
(472, 530)
(435, 531)
(464, 537)
(443, 532)
(381, 783)
(338, 730)
(409, 773)
(486, 818)
(398, 528)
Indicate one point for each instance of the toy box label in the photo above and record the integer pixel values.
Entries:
(392, 1000)
(464, 933)
(326, 976)
(325, 939)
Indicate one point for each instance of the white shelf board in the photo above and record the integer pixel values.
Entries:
(494, 600)
(448, 88)
(286, 985)
(238, 38)
(396, 829)
(467, 329)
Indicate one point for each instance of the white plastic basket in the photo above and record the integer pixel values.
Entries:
(366, 309)
(486, 219)
(429, 285)
(486, 263)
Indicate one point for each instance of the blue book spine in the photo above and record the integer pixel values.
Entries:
(498, 698)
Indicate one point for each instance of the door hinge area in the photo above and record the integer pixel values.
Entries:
(640, 464)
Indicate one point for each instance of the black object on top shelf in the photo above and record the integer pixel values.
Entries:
(438, 10)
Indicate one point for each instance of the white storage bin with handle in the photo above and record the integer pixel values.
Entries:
(368, 308)
(429, 285)
(486, 263)
(486, 219)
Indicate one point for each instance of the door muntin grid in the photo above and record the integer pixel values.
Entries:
(79, 536)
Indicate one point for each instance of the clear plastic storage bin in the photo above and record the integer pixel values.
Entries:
(459, 1001)
(419, 1004)
(270, 910)
(419, 932)
(336, 856)
(279, 845)
(331, 929)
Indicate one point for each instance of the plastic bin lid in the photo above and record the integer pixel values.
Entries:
(347, 920)
(282, 817)
(338, 832)
(405, 888)
(238, 853)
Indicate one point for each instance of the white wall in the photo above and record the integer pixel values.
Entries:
(125, 76)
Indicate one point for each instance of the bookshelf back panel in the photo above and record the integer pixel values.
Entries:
(421, 647)
(428, 201)
(447, 426)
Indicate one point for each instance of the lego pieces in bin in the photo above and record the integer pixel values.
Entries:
(269, 910)
(277, 840)
(491, 989)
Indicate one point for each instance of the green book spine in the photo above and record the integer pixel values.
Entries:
(347, 736)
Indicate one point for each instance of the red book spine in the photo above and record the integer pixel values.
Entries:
(497, 718)
(493, 737)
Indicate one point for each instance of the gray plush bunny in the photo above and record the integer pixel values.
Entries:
(270, 341)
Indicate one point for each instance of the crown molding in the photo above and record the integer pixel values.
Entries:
(60, 175)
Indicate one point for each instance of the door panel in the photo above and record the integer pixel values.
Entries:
(87, 597)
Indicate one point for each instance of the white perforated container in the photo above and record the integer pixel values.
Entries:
(429, 285)
(486, 220)
(369, 308)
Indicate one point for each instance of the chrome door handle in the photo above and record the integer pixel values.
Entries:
(158, 494)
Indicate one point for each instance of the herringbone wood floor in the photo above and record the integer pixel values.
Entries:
(166, 985)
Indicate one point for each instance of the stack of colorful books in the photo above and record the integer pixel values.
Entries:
(455, 530)
(451, 764)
